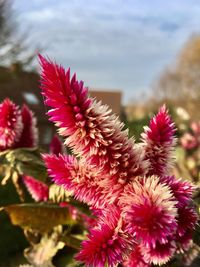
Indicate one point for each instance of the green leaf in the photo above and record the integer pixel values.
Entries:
(39, 217)
(26, 161)
(71, 241)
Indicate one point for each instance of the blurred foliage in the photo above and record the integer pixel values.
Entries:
(48, 227)
(13, 49)
(179, 84)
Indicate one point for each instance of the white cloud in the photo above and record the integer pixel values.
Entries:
(112, 43)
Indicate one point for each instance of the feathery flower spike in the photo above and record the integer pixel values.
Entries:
(159, 141)
(37, 189)
(56, 146)
(29, 135)
(89, 128)
(10, 124)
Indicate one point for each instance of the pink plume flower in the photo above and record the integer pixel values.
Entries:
(10, 124)
(56, 146)
(160, 253)
(188, 141)
(79, 178)
(105, 243)
(187, 219)
(182, 190)
(29, 135)
(195, 126)
(150, 210)
(135, 202)
(136, 259)
(90, 130)
(159, 141)
(38, 190)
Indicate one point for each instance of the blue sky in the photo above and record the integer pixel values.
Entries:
(114, 44)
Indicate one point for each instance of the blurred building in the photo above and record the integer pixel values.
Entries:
(111, 98)
(23, 87)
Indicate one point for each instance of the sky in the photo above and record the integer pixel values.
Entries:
(112, 44)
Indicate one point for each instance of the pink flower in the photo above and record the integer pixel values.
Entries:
(188, 141)
(90, 130)
(56, 146)
(159, 140)
(136, 259)
(182, 190)
(149, 210)
(29, 135)
(126, 185)
(160, 253)
(105, 244)
(187, 219)
(195, 126)
(10, 124)
(38, 190)
(76, 177)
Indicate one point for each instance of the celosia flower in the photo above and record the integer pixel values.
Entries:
(149, 210)
(128, 184)
(159, 141)
(29, 135)
(90, 130)
(10, 124)
(136, 259)
(182, 190)
(195, 126)
(188, 141)
(160, 253)
(106, 243)
(187, 219)
(56, 146)
(38, 190)
(79, 178)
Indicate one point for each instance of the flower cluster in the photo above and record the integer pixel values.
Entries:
(192, 140)
(17, 126)
(143, 214)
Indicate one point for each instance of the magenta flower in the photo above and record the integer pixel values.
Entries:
(106, 243)
(10, 124)
(29, 135)
(89, 128)
(149, 210)
(188, 141)
(137, 205)
(182, 190)
(37, 189)
(17, 127)
(136, 259)
(56, 146)
(192, 140)
(160, 253)
(158, 140)
(195, 126)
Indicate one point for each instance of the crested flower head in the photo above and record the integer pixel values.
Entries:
(150, 210)
(79, 178)
(105, 245)
(182, 190)
(89, 128)
(56, 146)
(10, 124)
(38, 190)
(137, 206)
(159, 141)
(29, 135)
(159, 253)
(135, 258)
(188, 141)
(187, 219)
